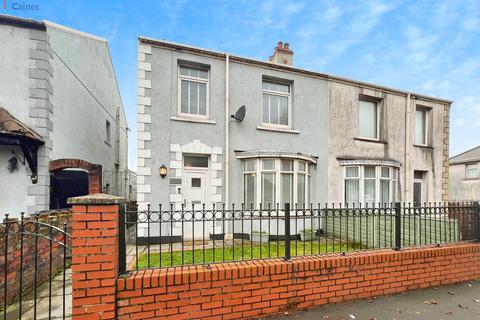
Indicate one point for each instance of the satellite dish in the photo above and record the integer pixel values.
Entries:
(240, 114)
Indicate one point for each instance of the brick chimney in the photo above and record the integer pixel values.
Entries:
(282, 54)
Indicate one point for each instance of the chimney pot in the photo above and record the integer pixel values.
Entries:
(285, 46)
(279, 44)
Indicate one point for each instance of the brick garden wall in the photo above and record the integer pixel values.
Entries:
(57, 218)
(251, 289)
(241, 290)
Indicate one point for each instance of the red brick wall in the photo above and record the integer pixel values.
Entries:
(251, 289)
(94, 261)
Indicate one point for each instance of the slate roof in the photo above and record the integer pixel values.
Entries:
(10, 126)
(467, 156)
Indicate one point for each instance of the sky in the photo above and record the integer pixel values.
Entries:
(427, 47)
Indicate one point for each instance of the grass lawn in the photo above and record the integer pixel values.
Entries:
(249, 251)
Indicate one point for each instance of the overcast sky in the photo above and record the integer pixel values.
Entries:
(428, 47)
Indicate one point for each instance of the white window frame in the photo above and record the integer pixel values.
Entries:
(426, 111)
(393, 178)
(466, 170)
(280, 94)
(193, 79)
(377, 109)
(278, 171)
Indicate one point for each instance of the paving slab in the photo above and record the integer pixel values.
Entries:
(452, 302)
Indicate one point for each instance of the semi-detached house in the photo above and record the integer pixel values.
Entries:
(306, 137)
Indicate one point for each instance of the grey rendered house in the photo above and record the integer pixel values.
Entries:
(464, 176)
(63, 125)
(306, 137)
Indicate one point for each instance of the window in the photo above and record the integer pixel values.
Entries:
(108, 133)
(421, 127)
(418, 196)
(196, 182)
(370, 184)
(195, 161)
(368, 119)
(471, 171)
(276, 181)
(193, 93)
(276, 103)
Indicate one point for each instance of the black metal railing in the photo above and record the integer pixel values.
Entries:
(156, 238)
(36, 252)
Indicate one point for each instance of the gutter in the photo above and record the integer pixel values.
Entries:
(21, 22)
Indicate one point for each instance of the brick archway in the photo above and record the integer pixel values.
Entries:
(94, 171)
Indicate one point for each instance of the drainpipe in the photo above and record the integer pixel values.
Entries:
(407, 151)
(227, 122)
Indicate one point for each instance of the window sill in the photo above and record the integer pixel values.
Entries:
(471, 179)
(185, 119)
(370, 140)
(278, 129)
(423, 146)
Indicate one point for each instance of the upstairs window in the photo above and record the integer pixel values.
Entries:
(276, 103)
(368, 119)
(421, 127)
(193, 91)
(471, 171)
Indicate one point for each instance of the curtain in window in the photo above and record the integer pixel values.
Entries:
(250, 189)
(420, 122)
(301, 190)
(384, 191)
(367, 119)
(193, 97)
(268, 189)
(351, 191)
(275, 109)
(287, 188)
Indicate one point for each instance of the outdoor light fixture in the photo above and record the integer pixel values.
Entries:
(163, 171)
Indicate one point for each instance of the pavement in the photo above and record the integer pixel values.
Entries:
(452, 302)
(43, 303)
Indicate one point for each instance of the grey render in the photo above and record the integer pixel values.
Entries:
(61, 83)
(324, 125)
(462, 187)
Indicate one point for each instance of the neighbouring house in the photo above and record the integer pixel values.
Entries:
(217, 128)
(62, 123)
(464, 176)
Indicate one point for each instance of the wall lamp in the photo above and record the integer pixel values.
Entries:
(163, 171)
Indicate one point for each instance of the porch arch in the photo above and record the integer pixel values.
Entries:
(94, 171)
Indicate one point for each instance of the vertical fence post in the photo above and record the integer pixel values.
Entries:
(95, 256)
(398, 226)
(287, 231)
(122, 246)
(476, 220)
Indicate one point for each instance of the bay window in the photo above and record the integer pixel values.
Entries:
(276, 181)
(370, 184)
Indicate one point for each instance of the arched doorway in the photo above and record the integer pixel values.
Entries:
(72, 178)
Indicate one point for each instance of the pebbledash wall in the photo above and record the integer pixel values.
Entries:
(244, 289)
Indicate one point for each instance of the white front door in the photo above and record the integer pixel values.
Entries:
(195, 189)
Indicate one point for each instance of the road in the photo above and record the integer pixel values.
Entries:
(452, 302)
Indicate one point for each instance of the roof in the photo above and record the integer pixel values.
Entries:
(22, 22)
(10, 126)
(467, 156)
(275, 154)
(218, 54)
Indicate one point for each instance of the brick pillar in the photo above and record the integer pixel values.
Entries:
(94, 255)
